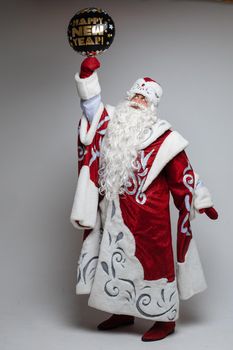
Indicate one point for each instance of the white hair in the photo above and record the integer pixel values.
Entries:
(119, 150)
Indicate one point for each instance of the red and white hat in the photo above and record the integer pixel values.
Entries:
(148, 88)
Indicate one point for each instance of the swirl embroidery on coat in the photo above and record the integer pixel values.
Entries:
(81, 152)
(95, 153)
(188, 181)
(86, 271)
(138, 178)
(141, 298)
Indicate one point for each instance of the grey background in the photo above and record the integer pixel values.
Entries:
(184, 45)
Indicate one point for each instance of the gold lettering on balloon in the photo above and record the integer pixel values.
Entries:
(99, 40)
(81, 21)
(85, 41)
(95, 20)
(89, 41)
(81, 41)
(77, 31)
(87, 30)
(86, 21)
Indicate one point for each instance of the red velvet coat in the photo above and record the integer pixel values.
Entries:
(126, 262)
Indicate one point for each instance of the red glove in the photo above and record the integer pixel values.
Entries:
(210, 212)
(88, 66)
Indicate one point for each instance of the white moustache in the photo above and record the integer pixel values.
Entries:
(137, 105)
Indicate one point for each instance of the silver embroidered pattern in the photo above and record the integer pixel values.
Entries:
(81, 152)
(138, 179)
(106, 118)
(94, 152)
(141, 298)
(86, 268)
(188, 181)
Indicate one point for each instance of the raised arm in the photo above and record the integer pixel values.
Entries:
(92, 127)
(88, 87)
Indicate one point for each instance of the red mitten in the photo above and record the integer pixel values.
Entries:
(88, 66)
(210, 212)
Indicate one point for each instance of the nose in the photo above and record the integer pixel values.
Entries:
(140, 99)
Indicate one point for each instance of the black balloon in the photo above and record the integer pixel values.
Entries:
(91, 31)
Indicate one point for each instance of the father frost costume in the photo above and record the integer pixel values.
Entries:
(126, 261)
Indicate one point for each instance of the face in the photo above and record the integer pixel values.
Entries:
(140, 99)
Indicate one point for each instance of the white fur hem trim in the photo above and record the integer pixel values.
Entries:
(171, 146)
(119, 285)
(85, 201)
(190, 275)
(87, 87)
(88, 259)
(86, 137)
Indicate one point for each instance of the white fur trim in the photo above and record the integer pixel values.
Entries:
(202, 197)
(155, 132)
(86, 137)
(190, 275)
(119, 285)
(110, 109)
(85, 201)
(171, 146)
(88, 259)
(87, 87)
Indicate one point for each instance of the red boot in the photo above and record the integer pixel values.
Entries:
(116, 321)
(159, 331)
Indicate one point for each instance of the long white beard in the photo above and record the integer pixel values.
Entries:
(125, 132)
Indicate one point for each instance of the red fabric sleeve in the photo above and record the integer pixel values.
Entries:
(180, 178)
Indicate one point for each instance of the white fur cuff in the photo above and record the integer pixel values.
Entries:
(87, 87)
(202, 197)
(171, 146)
